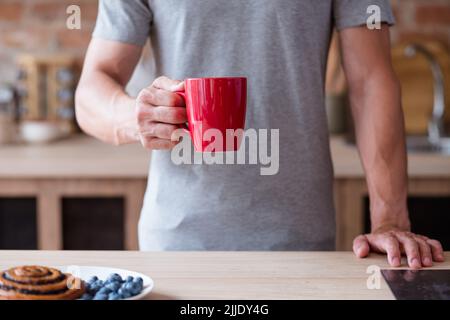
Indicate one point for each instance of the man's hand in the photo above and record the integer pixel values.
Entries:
(160, 111)
(419, 250)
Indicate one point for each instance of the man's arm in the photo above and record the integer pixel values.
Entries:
(376, 108)
(105, 111)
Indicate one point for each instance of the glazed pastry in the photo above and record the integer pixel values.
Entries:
(39, 283)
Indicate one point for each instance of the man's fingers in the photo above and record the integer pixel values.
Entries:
(361, 246)
(392, 247)
(160, 112)
(159, 97)
(159, 130)
(164, 114)
(425, 252)
(387, 243)
(419, 250)
(436, 250)
(169, 115)
(168, 84)
(411, 249)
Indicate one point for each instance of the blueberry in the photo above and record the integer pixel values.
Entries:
(104, 290)
(120, 296)
(115, 277)
(136, 289)
(124, 293)
(99, 283)
(129, 279)
(113, 286)
(128, 286)
(114, 296)
(101, 296)
(93, 289)
(92, 279)
(132, 287)
(86, 296)
(96, 286)
(140, 285)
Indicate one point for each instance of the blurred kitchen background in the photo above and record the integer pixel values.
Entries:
(62, 190)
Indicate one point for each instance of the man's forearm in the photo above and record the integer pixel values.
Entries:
(381, 141)
(105, 111)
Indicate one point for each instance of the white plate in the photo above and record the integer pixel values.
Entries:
(86, 272)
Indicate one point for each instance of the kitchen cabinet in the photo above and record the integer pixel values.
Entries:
(51, 192)
(82, 168)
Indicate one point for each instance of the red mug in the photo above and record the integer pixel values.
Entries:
(216, 109)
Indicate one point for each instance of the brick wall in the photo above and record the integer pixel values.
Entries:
(39, 26)
(422, 19)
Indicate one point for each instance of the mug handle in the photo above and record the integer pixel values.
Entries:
(186, 126)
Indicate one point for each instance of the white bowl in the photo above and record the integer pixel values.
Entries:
(40, 131)
(86, 272)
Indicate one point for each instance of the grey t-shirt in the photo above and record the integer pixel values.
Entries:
(281, 46)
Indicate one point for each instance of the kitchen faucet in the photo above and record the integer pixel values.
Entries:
(436, 125)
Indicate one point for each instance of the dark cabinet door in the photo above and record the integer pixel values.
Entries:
(93, 223)
(18, 224)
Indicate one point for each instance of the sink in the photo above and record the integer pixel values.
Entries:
(422, 144)
(418, 144)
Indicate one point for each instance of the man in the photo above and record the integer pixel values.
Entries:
(281, 46)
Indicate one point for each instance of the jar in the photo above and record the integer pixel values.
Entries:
(7, 114)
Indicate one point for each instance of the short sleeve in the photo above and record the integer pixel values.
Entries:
(353, 13)
(124, 21)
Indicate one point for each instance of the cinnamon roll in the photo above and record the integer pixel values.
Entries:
(39, 283)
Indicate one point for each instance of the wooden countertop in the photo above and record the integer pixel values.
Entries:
(232, 275)
(347, 164)
(82, 156)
